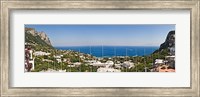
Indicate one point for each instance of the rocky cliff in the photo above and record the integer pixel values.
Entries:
(169, 44)
(36, 38)
(44, 37)
(41, 35)
(170, 41)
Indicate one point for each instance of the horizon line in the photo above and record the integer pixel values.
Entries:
(107, 45)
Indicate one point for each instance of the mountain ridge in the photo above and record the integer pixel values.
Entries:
(32, 37)
(169, 44)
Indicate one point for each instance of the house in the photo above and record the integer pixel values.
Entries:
(98, 63)
(40, 53)
(77, 63)
(117, 66)
(159, 61)
(110, 63)
(71, 65)
(59, 60)
(57, 56)
(127, 64)
(105, 69)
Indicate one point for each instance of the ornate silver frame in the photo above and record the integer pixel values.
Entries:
(8, 5)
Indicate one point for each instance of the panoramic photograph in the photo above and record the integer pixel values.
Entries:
(99, 48)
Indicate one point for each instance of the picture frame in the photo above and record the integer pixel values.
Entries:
(8, 5)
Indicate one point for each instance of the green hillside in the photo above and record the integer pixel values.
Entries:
(36, 42)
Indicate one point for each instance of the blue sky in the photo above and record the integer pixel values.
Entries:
(112, 35)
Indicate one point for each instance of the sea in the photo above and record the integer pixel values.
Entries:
(111, 51)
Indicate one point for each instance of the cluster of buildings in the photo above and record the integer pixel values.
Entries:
(167, 64)
(107, 69)
(164, 65)
(110, 66)
(159, 65)
(30, 59)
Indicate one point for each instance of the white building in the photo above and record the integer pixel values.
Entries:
(105, 69)
(58, 56)
(127, 64)
(170, 57)
(77, 63)
(82, 57)
(59, 60)
(90, 61)
(98, 63)
(40, 53)
(159, 61)
(117, 66)
(71, 65)
(109, 63)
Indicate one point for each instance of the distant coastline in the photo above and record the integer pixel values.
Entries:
(111, 51)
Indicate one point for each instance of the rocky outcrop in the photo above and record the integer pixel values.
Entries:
(169, 44)
(31, 31)
(42, 35)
